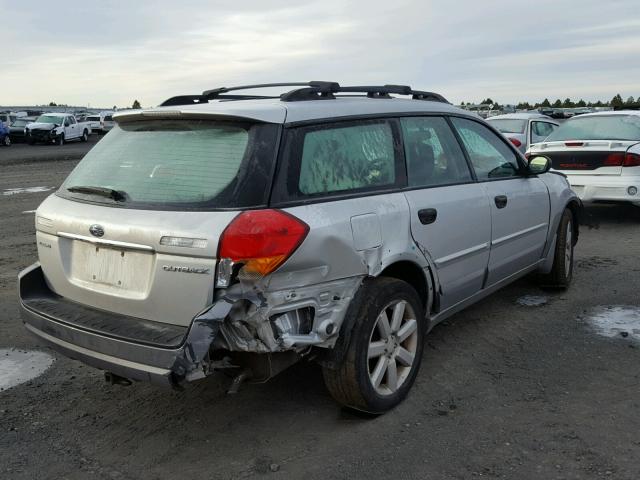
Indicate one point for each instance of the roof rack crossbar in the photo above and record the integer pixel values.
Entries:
(315, 90)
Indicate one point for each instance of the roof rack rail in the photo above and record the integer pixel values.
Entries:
(315, 90)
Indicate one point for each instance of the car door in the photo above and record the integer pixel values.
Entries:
(519, 203)
(540, 130)
(450, 214)
(74, 127)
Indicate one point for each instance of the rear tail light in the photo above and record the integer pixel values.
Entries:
(527, 155)
(614, 160)
(631, 160)
(515, 141)
(262, 240)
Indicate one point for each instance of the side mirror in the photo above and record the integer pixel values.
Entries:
(539, 165)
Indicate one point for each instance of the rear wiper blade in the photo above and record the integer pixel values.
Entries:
(117, 195)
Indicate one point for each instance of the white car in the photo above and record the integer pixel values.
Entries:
(95, 122)
(56, 128)
(523, 129)
(600, 155)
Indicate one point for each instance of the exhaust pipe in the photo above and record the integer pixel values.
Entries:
(114, 379)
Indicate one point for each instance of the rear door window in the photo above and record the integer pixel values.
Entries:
(339, 158)
(540, 131)
(490, 156)
(180, 164)
(433, 154)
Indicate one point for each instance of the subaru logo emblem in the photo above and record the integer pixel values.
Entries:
(96, 230)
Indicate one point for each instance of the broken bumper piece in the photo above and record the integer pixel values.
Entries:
(279, 324)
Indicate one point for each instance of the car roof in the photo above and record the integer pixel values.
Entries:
(277, 111)
(519, 116)
(609, 112)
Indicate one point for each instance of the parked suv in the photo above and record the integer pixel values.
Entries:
(240, 233)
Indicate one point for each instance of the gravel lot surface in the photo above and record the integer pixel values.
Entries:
(519, 386)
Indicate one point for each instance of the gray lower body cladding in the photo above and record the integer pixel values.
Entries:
(241, 320)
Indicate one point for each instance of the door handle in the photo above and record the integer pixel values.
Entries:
(427, 215)
(501, 201)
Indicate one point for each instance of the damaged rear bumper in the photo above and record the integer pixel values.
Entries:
(137, 349)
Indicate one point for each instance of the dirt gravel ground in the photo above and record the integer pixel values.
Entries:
(513, 387)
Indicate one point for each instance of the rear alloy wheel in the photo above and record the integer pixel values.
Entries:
(385, 350)
(562, 272)
(60, 140)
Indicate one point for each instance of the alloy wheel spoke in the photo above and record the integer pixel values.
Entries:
(407, 329)
(405, 357)
(392, 375)
(376, 348)
(398, 313)
(383, 325)
(379, 371)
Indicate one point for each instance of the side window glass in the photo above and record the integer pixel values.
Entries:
(433, 154)
(540, 131)
(490, 156)
(345, 158)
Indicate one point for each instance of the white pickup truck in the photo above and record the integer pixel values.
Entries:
(57, 128)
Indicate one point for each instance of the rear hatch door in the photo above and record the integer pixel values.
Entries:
(134, 229)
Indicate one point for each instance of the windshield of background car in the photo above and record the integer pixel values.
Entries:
(600, 127)
(180, 164)
(50, 119)
(509, 125)
(20, 123)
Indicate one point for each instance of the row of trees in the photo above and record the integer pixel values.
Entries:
(136, 104)
(616, 101)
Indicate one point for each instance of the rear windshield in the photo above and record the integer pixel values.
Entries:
(179, 164)
(93, 119)
(601, 127)
(108, 118)
(509, 125)
(20, 123)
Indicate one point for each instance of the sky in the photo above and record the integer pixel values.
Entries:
(112, 52)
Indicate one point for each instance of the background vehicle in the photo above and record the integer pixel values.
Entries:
(94, 122)
(523, 129)
(17, 129)
(106, 121)
(7, 118)
(177, 248)
(600, 155)
(5, 139)
(57, 128)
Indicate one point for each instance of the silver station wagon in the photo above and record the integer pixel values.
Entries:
(243, 233)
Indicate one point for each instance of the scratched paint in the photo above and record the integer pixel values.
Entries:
(16, 191)
(20, 366)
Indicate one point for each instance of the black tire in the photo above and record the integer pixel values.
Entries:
(562, 272)
(351, 383)
(7, 141)
(60, 140)
(85, 136)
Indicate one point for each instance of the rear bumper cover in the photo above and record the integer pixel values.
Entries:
(605, 188)
(164, 365)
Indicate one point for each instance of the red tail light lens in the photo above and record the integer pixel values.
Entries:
(262, 239)
(515, 141)
(631, 160)
(614, 160)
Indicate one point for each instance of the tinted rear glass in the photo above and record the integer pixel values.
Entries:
(601, 127)
(108, 118)
(93, 119)
(180, 164)
(509, 125)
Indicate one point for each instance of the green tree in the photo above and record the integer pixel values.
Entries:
(567, 103)
(136, 105)
(581, 103)
(557, 104)
(53, 104)
(545, 103)
(630, 100)
(617, 101)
